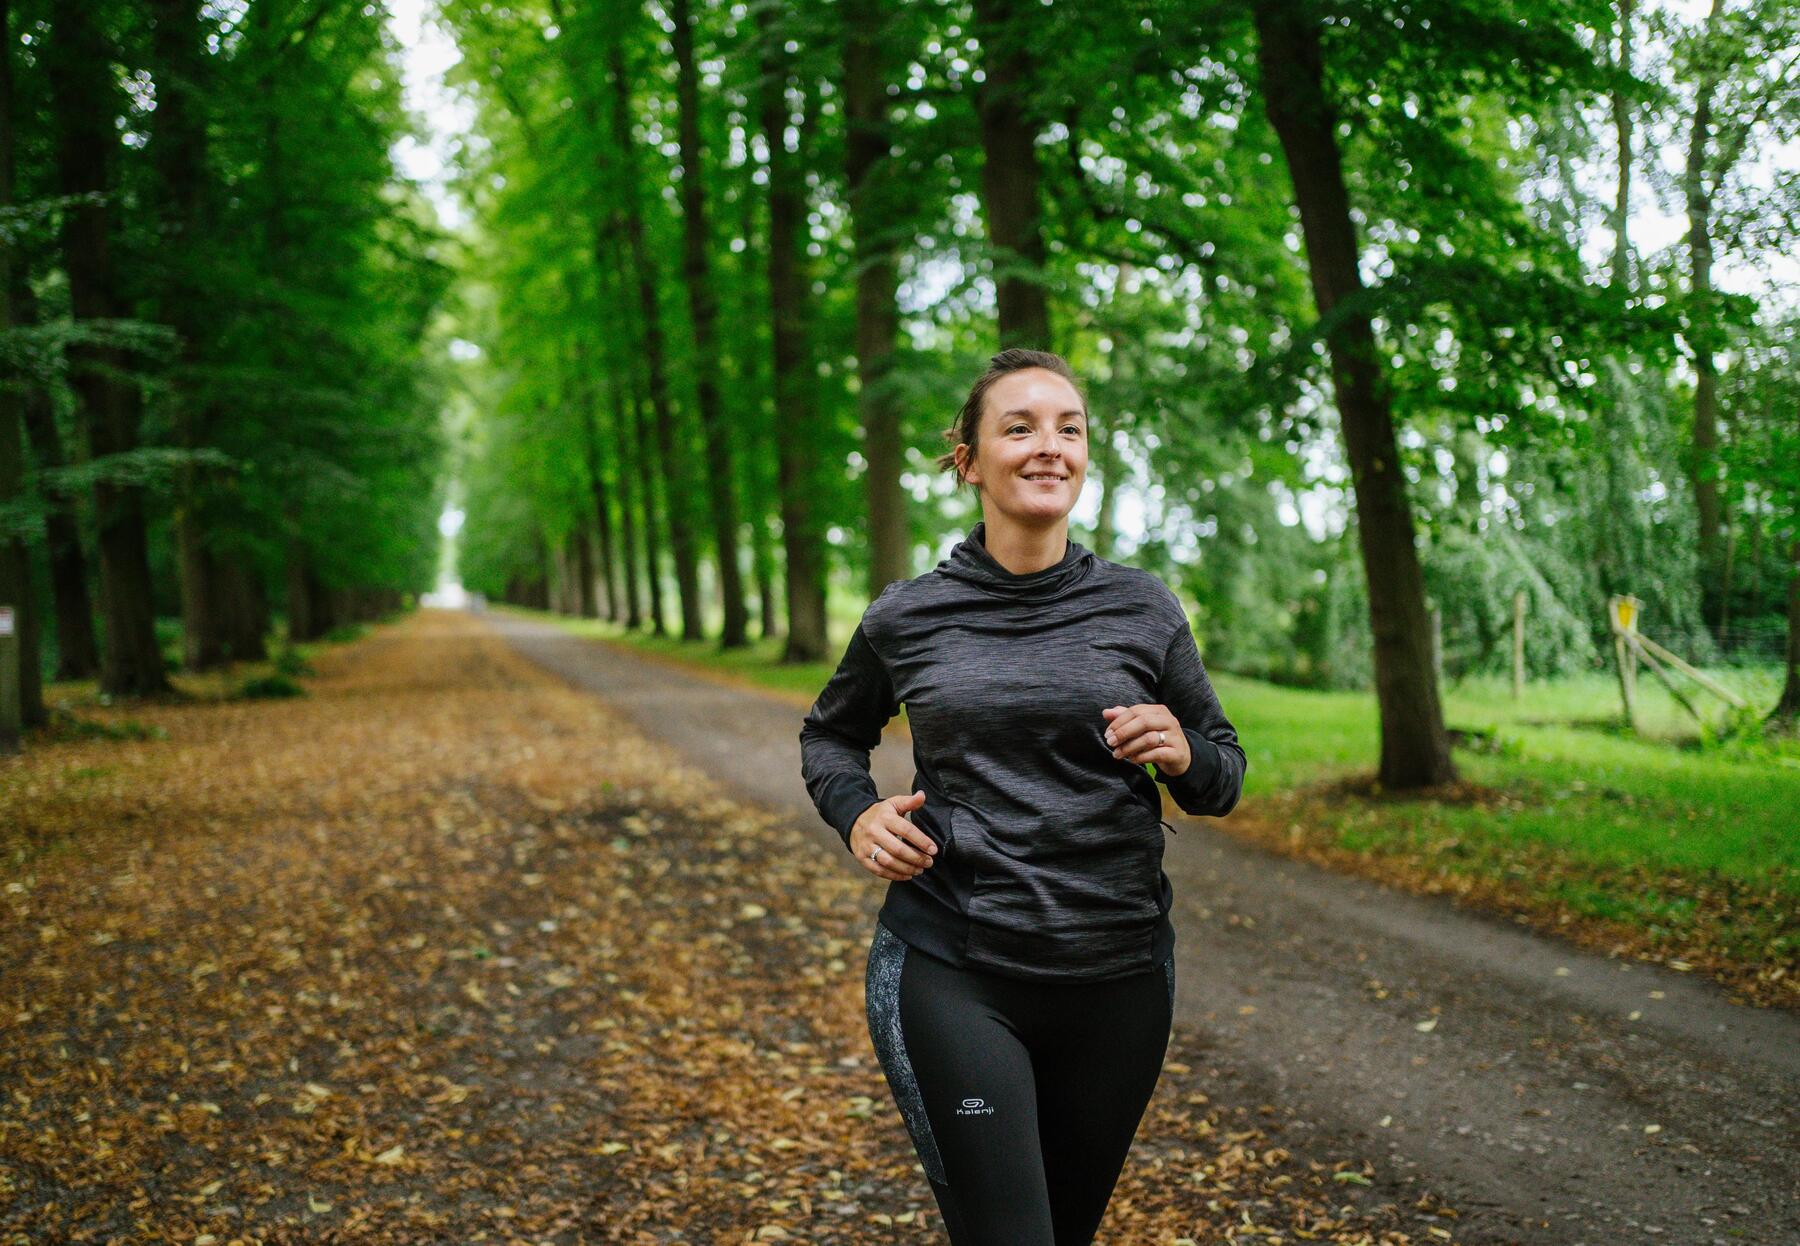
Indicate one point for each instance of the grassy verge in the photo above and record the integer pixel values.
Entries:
(1670, 846)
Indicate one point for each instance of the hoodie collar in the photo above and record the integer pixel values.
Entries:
(970, 561)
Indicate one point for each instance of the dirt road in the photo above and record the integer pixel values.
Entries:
(1550, 1095)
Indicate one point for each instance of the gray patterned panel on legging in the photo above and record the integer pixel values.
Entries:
(887, 954)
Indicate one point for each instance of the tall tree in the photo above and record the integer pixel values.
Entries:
(15, 566)
(1622, 134)
(703, 312)
(1700, 179)
(1415, 750)
(77, 650)
(1010, 176)
(681, 541)
(1746, 88)
(79, 62)
(795, 399)
(870, 57)
(178, 149)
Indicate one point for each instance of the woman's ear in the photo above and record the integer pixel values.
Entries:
(965, 465)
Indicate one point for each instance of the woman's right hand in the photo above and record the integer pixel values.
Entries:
(905, 849)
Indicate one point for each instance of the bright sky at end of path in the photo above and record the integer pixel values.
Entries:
(427, 53)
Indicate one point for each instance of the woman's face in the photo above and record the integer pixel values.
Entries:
(1032, 453)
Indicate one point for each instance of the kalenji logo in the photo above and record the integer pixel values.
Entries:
(975, 1107)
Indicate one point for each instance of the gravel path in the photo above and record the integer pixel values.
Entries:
(1550, 1095)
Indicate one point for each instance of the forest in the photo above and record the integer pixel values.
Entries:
(1402, 325)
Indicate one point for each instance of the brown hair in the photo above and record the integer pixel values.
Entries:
(968, 420)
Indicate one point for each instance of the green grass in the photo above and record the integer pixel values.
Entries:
(1591, 789)
(1610, 796)
(1683, 837)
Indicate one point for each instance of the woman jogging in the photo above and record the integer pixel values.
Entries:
(1021, 978)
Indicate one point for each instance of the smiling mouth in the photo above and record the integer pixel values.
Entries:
(1045, 476)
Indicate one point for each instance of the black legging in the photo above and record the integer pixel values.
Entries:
(1021, 1098)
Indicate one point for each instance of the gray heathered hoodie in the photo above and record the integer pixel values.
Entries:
(1049, 863)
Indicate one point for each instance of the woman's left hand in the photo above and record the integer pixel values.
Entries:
(1148, 733)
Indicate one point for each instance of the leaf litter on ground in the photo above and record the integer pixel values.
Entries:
(446, 952)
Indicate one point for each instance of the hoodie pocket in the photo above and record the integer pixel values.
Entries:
(939, 824)
(1092, 909)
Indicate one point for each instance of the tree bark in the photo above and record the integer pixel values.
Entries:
(795, 413)
(79, 65)
(77, 650)
(312, 609)
(632, 472)
(244, 608)
(1415, 750)
(597, 543)
(1702, 338)
(868, 175)
(762, 496)
(15, 560)
(1787, 710)
(1622, 126)
(178, 150)
(655, 509)
(612, 609)
(1010, 175)
(681, 540)
(585, 605)
(703, 312)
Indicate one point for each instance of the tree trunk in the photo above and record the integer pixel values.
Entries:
(681, 540)
(15, 559)
(612, 609)
(615, 608)
(584, 574)
(244, 607)
(1702, 338)
(761, 493)
(1621, 111)
(77, 651)
(179, 153)
(632, 474)
(703, 311)
(592, 453)
(1415, 749)
(79, 65)
(794, 392)
(655, 509)
(308, 617)
(1787, 710)
(1009, 173)
(868, 173)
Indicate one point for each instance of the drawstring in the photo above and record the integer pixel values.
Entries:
(1168, 826)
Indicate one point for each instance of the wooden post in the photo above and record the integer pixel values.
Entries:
(1650, 647)
(1622, 615)
(1519, 645)
(1637, 645)
(11, 709)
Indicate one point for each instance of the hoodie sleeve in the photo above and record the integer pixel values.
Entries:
(842, 728)
(1214, 778)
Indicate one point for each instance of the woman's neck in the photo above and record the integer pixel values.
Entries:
(1022, 548)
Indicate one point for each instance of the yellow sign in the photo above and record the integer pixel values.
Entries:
(1625, 613)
